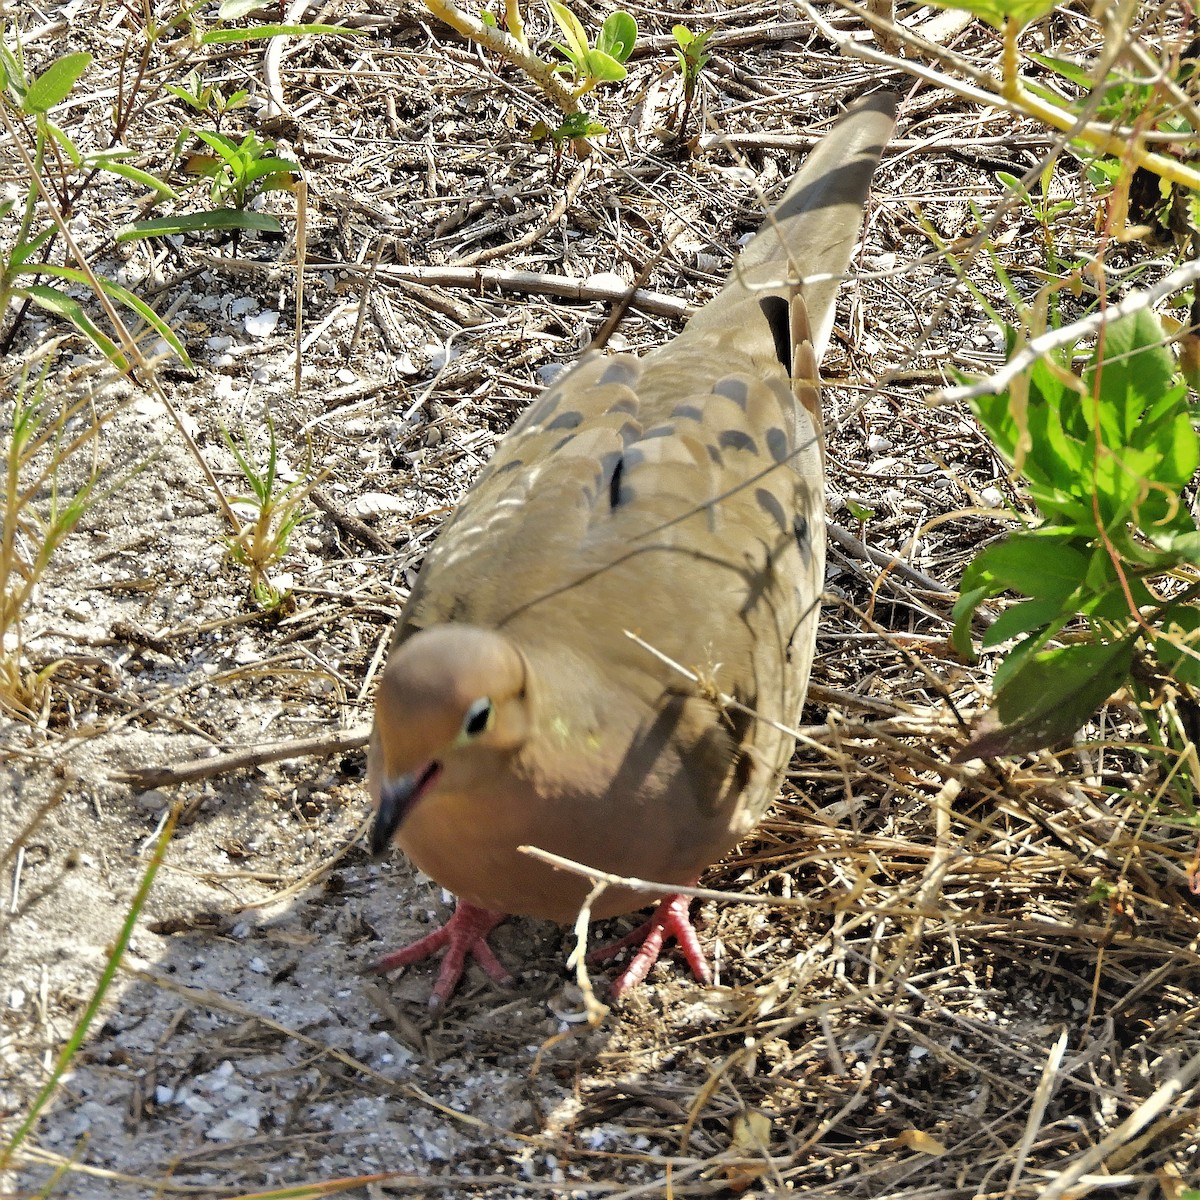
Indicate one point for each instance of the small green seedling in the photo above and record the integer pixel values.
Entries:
(276, 510)
(578, 126)
(235, 10)
(241, 170)
(692, 58)
(206, 98)
(588, 65)
(237, 172)
(52, 474)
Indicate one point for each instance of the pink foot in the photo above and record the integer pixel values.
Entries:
(464, 935)
(670, 920)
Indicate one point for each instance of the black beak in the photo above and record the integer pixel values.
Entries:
(396, 800)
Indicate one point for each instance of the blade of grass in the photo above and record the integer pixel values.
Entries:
(103, 984)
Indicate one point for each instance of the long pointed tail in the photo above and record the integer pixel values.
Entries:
(811, 233)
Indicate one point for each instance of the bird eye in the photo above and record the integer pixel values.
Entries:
(479, 718)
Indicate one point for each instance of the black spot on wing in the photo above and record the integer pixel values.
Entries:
(614, 482)
(801, 531)
(769, 503)
(778, 445)
(546, 404)
(743, 768)
(775, 309)
(733, 389)
(736, 439)
(566, 420)
(459, 609)
(688, 412)
(741, 726)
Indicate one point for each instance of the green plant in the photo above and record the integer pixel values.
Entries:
(50, 159)
(1108, 571)
(237, 172)
(692, 58)
(575, 128)
(51, 477)
(112, 964)
(590, 66)
(1015, 92)
(206, 97)
(276, 510)
(242, 169)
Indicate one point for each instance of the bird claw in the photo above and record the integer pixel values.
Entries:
(463, 936)
(670, 920)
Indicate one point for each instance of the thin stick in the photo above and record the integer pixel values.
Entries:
(1163, 1097)
(632, 884)
(1037, 1110)
(249, 756)
(1056, 339)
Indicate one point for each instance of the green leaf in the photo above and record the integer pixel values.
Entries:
(122, 296)
(962, 612)
(226, 147)
(1019, 619)
(151, 318)
(996, 12)
(1040, 567)
(162, 189)
(1022, 653)
(1178, 646)
(577, 44)
(1136, 366)
(63, 139)
(22, 254)
(618, 36)
(271, 166)
(1013, 184)
(221, 37)
(603, 68)
(1066, 68)
(54, 84)
(1183, 547)
(59, 303)
(1049, 698)
(578, 125)
(1175, 447)
(219, 219)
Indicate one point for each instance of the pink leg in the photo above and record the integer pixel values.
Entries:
(464, 935)
(670, 920)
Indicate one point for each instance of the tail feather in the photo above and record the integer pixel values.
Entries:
(806, 243)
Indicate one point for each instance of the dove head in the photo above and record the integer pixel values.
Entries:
(451, 705)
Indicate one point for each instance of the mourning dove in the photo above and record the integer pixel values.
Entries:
(677, 497)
